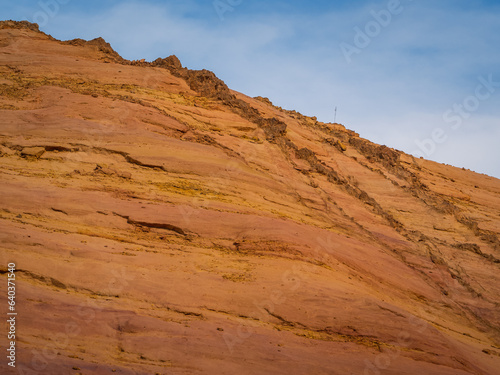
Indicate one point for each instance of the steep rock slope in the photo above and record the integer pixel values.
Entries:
(163, 223)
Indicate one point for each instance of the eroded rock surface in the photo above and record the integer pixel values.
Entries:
(163, 223)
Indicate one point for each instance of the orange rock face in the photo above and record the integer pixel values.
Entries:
(161, 223)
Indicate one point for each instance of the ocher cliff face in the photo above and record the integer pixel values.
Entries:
(162, 223)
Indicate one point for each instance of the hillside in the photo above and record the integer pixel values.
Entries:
(163, 223)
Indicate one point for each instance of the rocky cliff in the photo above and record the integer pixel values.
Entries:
(163, 223)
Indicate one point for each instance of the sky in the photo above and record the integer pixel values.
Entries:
(421, 76)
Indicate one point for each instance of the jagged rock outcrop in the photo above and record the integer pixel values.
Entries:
(100, 44)
(207, 84)
(19, 25)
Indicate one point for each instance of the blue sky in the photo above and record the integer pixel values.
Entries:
(421, 76)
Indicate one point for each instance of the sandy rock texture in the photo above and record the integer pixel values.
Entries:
(162, 223)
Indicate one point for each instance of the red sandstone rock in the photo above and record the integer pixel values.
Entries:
(222, 234)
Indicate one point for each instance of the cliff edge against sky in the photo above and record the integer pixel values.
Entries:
(163, 223)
